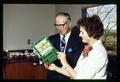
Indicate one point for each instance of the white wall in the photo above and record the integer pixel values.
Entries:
(31, 21)
(26, 21)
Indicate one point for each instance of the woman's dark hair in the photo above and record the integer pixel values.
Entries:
(93, 26)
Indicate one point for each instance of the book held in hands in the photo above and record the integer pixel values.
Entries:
(45, 50)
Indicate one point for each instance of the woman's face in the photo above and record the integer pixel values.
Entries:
(84, 35)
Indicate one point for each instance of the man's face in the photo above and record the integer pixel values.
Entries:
(62, 25)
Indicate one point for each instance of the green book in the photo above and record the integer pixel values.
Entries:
(44, 48)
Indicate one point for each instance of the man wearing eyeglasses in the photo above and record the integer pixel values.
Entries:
(65, 41)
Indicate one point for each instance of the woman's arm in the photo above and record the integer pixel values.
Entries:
(53, 67)
(66, 70)
(72, 73)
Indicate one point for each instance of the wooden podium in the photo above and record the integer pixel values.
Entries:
(24, 70)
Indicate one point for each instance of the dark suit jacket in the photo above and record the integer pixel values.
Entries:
(73, 50)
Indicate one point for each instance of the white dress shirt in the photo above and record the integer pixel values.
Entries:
(94, 65)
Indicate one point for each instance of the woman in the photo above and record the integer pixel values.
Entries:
(92, 63)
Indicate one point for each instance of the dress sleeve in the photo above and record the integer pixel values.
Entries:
(94, 63)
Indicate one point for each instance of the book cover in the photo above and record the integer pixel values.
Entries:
(44, 48)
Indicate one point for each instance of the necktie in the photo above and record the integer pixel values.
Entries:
(62, 44)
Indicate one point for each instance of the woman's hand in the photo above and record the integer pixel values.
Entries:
(50, 66)
(62, 57)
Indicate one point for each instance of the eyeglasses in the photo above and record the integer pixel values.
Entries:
(60, 25)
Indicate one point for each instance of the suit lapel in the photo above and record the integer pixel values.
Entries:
(58, 42)
(68, 47)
